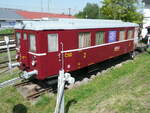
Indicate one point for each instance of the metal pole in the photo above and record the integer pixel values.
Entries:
(69, 11)
(63, 77)
(60, 93)
(48, 5)
(41, 5)
(8, 51)
(62, 85)
(62, 57)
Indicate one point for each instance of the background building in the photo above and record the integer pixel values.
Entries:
(146, 13)
(9, 17)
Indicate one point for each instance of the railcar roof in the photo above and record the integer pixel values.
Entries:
(62, 24)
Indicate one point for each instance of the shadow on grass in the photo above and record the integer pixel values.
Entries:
(19, 108)
(71, 102)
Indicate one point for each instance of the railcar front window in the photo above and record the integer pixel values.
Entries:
(52, 42)
(84, 40)
(32, 39)
(130, 34)
(100, 37)
(25, 36)
(122, 35)
(112, 36)
(18, 37)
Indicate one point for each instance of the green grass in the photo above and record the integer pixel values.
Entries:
(4, 56)
(12, 53)
(7, 31)
(119, 90)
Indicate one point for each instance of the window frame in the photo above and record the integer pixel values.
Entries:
(56, 48)
(84, 42)
(132, 35)
(18, 39)
(111, 41)
(102, 41)
(34, 49)
(24, 38)
(120, 39)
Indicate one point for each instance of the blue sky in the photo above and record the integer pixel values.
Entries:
(56, 6)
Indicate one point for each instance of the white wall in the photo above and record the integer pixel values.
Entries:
(146, 21)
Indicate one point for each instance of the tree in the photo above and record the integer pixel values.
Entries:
(90, 11)
(125, 10)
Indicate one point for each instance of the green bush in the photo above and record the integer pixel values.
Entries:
(7, 31)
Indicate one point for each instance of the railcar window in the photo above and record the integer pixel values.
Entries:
(100, 37)
(25, 36)
(52, 42)
(112, 36)
(84, 40)
(18, 36)
(32, 39)
(122, 35)
(130, 34)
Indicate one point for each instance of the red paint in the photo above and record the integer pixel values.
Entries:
(50, 64)
(35, 15)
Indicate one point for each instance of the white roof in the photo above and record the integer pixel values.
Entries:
(62, 24)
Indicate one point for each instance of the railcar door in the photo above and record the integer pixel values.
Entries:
(22, 47)
(24, 50)
(53, 53)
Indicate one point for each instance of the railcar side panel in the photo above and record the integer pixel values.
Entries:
(48, 63)
(83, 58)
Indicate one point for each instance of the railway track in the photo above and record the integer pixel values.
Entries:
(4, 70)
(6, 61)
(5, 50)
(31, 90)
(4, 66)
(39, 93)
(23, 83)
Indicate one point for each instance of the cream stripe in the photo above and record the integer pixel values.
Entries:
(73, 50)
(37, 54)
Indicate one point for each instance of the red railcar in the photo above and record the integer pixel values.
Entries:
(47, 46)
